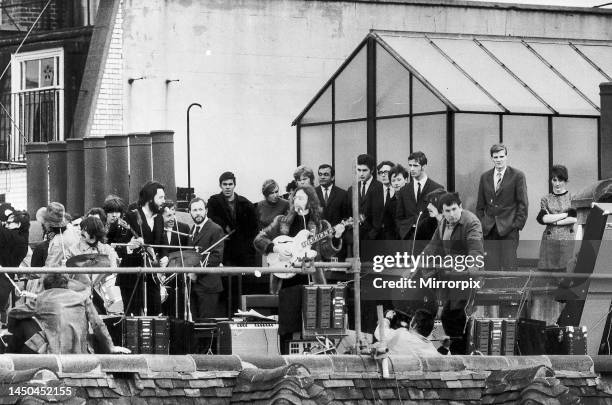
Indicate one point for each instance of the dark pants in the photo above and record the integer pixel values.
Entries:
(136, 306)
(501, 250)
(176, 291)
(22, 330)
(205, 304)
(6, 288)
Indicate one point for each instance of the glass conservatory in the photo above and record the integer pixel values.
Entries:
(452, 97)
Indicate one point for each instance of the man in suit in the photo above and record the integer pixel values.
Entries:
(175, 234)
(331, 197)
(384, 176)
(206, 289)
(149, 226)
(371, 203)
(411, 199)
(502, 208)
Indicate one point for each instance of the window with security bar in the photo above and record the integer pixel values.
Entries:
(36, 100)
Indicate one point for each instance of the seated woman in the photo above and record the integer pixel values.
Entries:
(59, 323)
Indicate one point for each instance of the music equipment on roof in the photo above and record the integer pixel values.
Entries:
(505, 337)
(248, 338)
(323, 310)
(567, 340)
(146, 334)
(300, 248)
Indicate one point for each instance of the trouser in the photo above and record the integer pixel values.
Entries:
(501, 250)
(22, 330)
(136, 306)
(205, 304)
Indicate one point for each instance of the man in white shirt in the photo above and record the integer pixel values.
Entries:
(413, 340)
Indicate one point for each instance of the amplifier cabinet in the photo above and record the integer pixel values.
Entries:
(146, 334)
(530, 337)
(479, 332)
(568, 340)
(244, 338)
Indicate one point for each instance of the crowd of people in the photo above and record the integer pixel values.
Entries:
(395, 203)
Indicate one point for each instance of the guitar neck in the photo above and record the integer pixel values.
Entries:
(321, 235)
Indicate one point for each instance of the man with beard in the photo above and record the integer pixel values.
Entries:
(148, 225)
(206, 288)
(175, 234)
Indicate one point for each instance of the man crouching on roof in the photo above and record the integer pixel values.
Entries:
(59, 322)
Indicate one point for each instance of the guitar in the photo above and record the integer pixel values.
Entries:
(299, 246)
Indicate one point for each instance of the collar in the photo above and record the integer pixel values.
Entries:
(368, 182)
(422, 181)
(462, 220)
(200, 226)
(503, 172)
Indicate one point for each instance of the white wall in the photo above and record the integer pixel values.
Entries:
(254, 64)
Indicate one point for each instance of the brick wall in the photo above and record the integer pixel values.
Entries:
(13, 186)
(108, 116)
(24, 13)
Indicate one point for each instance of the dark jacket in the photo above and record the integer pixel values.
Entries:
(408, 208)
(175, 239)
(13, 247)
(371, 207)
(466, 238)
(390, 229)
(336, 208)
(210, 234)
(238, 249)
(506, 209)
(138, 222)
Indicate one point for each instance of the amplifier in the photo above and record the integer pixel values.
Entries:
(146, 335)
(567, 340)
(492, 336)
(323, 310)
(530, 337)
(248, 338)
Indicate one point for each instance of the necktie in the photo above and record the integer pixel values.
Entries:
(325, 195)
(418, 191)
(388, 195)
(498, 181)
(196, 231)
(362, 189)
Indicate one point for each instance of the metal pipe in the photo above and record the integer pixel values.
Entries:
(129, 270)
(189, 147)
(356, 260)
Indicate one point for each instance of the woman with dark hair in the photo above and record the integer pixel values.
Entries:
(559, 217)
(271, 206)
(304, 213)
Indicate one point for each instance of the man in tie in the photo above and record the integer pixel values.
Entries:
(502, 208)
(175, 234)
(383, 169)
(332, 197)
(411, 199)
(371, 203)
(333, 200)
(206, 288)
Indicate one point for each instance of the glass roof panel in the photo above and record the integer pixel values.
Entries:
(392, 85)
(539, 77)
(573, 67)
(321, 110)
(350, 92)
(601, 55)
(440, 73)
(495, 79)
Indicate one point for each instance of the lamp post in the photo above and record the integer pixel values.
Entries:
(189, 147)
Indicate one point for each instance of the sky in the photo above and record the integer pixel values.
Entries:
(569, 3)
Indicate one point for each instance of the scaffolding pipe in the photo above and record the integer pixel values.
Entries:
(356, 259)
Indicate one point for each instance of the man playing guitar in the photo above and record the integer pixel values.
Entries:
(304, 214)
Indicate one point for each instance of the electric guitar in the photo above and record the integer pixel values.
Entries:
(300, 248)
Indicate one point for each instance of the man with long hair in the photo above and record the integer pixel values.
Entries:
(145, 221)
(304, 213)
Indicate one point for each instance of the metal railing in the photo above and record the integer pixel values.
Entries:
(28, 116)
